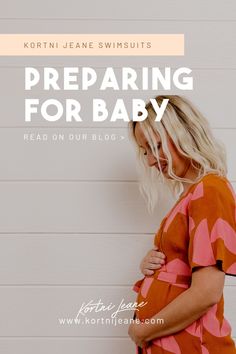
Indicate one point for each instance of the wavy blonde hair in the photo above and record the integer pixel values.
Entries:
(192, 137)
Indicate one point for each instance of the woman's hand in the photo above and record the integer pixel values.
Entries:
(153, 260)
(136, 334)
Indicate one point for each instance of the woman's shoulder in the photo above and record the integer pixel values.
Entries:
(215, 185)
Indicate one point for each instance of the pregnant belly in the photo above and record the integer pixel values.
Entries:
(156, 294)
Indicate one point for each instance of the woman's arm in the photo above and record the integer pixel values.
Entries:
(205, 291)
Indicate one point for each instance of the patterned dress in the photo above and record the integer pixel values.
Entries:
(200, 230)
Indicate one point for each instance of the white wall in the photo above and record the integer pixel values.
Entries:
(73, 225)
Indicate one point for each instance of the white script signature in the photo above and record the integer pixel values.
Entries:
(99, 306)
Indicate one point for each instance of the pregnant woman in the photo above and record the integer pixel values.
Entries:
(196, 242)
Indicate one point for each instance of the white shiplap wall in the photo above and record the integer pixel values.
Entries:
(73, 225)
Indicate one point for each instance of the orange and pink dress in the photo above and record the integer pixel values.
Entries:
(199, 231)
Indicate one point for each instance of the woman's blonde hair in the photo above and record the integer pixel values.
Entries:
(192, 137)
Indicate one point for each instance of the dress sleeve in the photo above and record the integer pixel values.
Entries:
(212, 226)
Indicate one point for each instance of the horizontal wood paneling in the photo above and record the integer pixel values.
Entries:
(35, 311)
(72, 259)
(103, 10)
(54, 235)
(67, 259)
(99, 207)
(76, 207)
(79, 159)
(63, 345)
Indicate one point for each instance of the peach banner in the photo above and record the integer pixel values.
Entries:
(91, 44)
